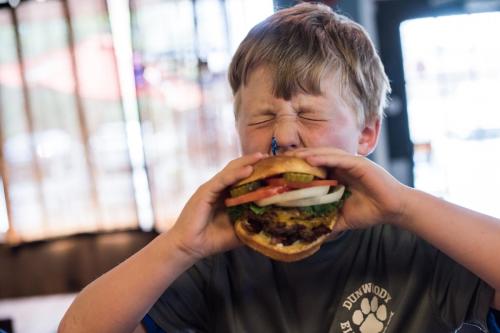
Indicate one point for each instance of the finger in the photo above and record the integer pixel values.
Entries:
(235, 171)
(340, 225)
(246, 160)
(228, 177)
(335, 160)
(238, 169)
(295, 152)
(348, 169)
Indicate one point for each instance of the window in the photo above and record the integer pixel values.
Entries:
(75, 156)
(452, 70)
(182, 50)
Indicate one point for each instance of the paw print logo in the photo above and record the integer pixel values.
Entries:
(371, 316)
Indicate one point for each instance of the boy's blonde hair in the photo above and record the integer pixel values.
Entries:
(304, 43)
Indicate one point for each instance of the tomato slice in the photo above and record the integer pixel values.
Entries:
(324, 182)
(258, 194)
(294, 185)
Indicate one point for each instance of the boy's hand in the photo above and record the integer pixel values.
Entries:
(376, 197)
(203, 228)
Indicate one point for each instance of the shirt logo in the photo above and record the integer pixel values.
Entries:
(368, 310)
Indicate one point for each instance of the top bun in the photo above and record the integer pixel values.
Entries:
(276, 165)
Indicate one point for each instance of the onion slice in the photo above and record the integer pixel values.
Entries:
(318, 200)
(309, 192)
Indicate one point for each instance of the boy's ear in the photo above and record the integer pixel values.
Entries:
(368, 137)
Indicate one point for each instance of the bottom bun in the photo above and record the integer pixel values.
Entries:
(294, 252)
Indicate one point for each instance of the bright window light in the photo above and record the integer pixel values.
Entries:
(452, 72)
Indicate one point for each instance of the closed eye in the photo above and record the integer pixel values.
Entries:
(261, 119)
(311, 116)
(260, 122)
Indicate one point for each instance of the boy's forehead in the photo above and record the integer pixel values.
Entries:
(257, 96)
(261, 84)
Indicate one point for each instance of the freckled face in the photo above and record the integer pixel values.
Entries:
(303, 121)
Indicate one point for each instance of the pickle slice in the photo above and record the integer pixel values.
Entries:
(297, 177)
(244, 189)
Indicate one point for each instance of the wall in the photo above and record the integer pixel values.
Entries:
(64, 265)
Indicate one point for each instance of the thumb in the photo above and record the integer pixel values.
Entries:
(340, 224)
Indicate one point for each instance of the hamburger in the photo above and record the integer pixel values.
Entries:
(286, 208)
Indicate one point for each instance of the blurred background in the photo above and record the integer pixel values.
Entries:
(112, 113)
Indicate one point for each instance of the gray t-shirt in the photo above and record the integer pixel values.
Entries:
(381, 279)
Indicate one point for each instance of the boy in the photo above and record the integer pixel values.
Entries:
(311, 79)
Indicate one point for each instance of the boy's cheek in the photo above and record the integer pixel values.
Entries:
(330, 137)
(253, 141)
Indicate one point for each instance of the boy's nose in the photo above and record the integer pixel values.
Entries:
(287, 134)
